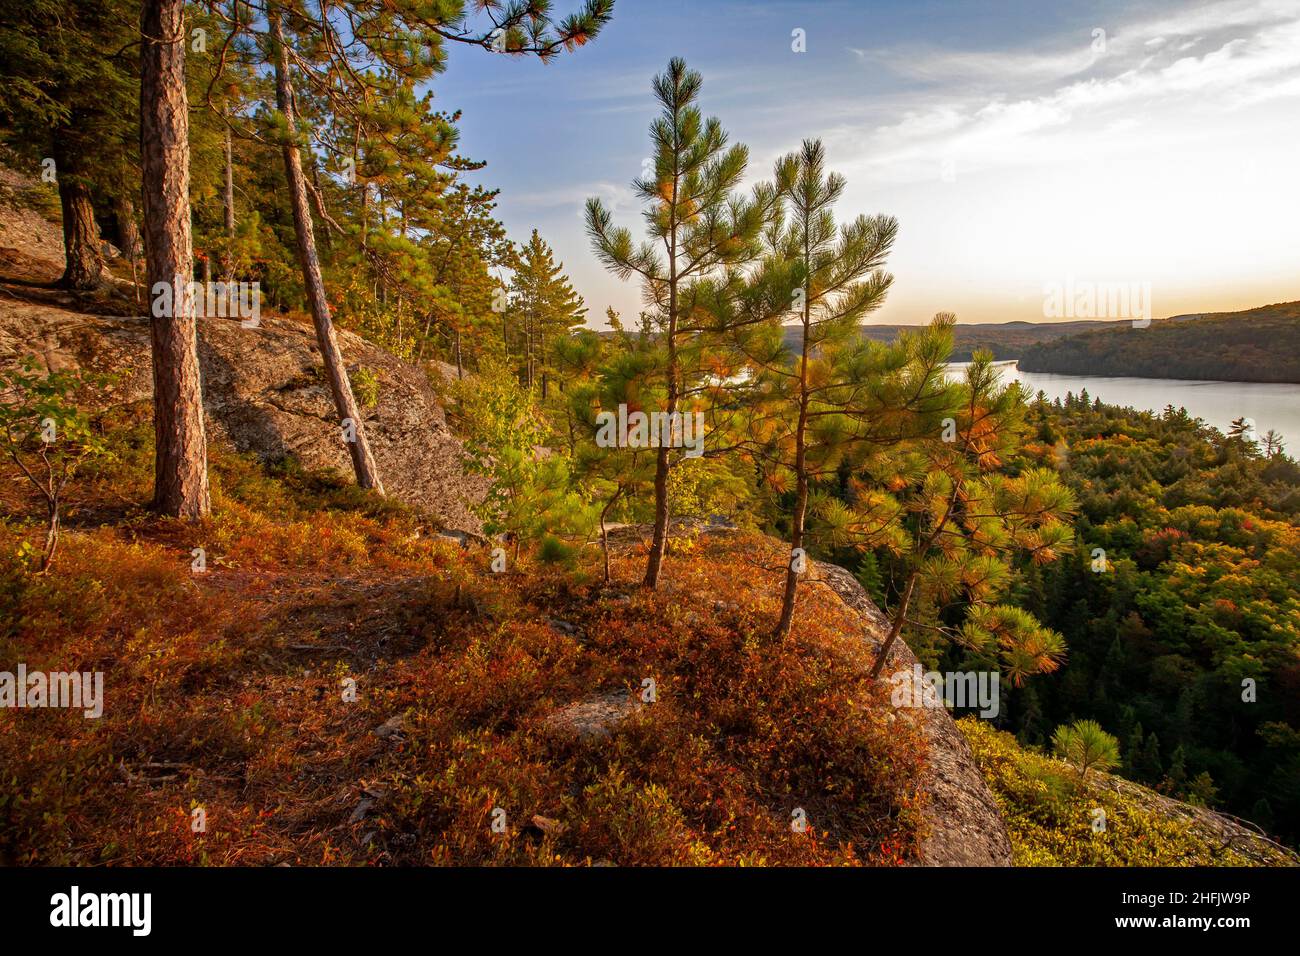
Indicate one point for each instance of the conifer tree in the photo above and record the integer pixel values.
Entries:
(940, 502)
(68, 91)
(1087, 746)
(349, 413)
(346, 54)
(467, 249)
(1133, 751)
(547, 307)
(224, 145)
(837, 280)
(1175, 780)
(180, 447)
(600, 375)
(1152, 765)
(869, 577)
(397, 161)
(531, 495)
(701, 231)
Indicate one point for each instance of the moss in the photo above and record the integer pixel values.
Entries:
(1050, 813)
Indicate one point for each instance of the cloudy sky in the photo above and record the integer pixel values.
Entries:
(1020, 143)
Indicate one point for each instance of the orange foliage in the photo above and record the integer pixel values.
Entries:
(223, 691)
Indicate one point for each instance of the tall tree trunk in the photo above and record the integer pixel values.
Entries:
(801, 489)
(84, 268)
(659, 541)
(363, 462)
(180, 455)
(227, 259)
(800, 449)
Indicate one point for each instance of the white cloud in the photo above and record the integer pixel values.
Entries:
(1071, 55)
(1026, 127)
(618, 197)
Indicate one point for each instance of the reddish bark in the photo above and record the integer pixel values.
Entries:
(180, 455)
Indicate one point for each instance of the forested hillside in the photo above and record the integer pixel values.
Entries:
(1258, 345)
(1178, 604)
(1002, 340)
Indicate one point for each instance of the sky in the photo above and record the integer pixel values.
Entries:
(1023, 145)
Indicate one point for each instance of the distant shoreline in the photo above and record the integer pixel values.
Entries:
(1102, 378)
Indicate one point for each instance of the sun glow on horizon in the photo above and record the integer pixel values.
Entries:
(1155, 143)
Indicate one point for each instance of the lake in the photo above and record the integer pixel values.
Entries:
(1270, 405)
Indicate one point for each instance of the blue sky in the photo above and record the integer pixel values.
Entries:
(1020, 143)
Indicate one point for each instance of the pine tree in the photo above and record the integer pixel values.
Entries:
(1175, 780)
(1152, 766)
(465, 248)
(836, 281)
(415, 261)
(939, 500)
(547, 307)
(387, 49)
(68, 94)
(531, 494)
(869, 577)
(1087, 746)
(180, 447)
(349, 413)
(1202, 792)
(1133, 751)
(705, 231)
(600, 375)
(223, 144)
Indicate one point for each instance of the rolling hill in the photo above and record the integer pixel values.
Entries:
(1006, 340)
(1257, 345)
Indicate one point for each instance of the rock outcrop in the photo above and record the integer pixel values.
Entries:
(963, 824)
(264, 390)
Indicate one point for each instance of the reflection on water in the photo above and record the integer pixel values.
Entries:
(1270, 405)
